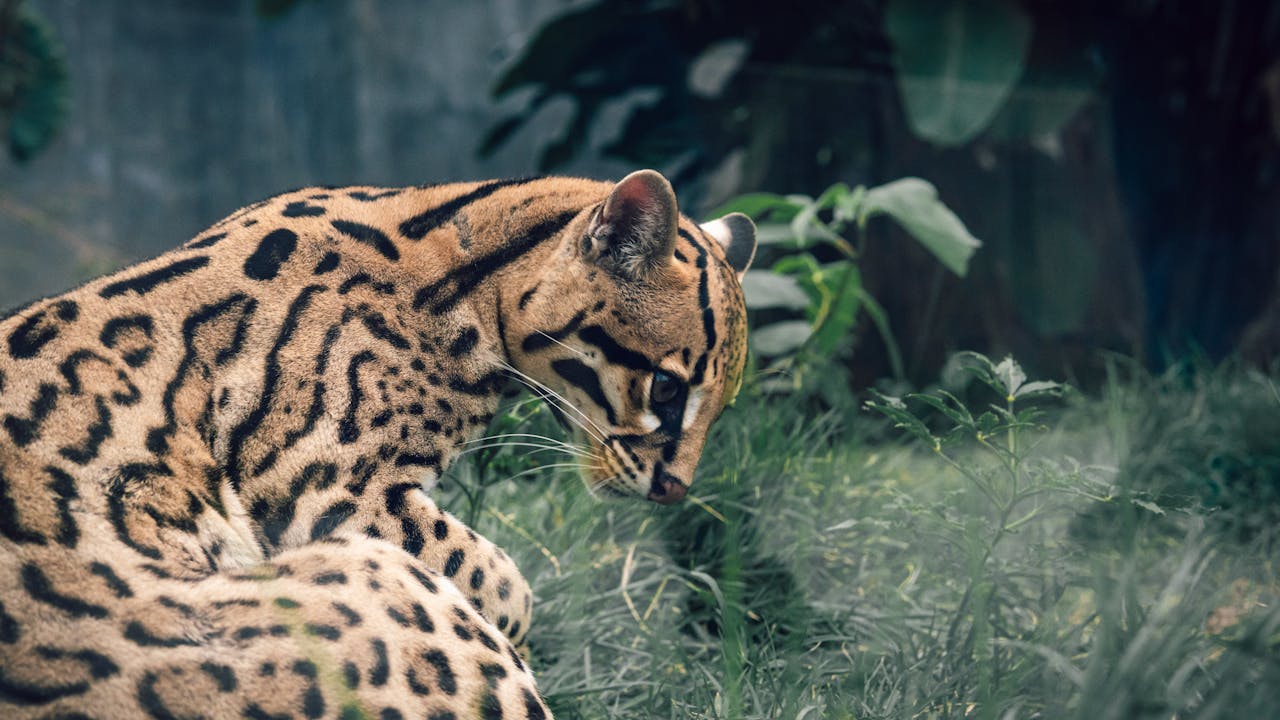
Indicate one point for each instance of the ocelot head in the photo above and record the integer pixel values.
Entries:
(637, 334)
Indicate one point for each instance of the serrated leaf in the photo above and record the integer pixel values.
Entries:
(1011, 376)
(948, 406)
(913, 204)
(1040, 387)
(764, 289)
(896, 410)
(780, 338)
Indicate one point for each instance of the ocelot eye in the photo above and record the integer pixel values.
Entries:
(664, 389)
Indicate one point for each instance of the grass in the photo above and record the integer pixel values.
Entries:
(1124, 567)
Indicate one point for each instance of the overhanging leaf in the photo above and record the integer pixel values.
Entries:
(957, 62)
(779, 338)
(764, 289)
(913, 203)
(762, 205)
(774, 233)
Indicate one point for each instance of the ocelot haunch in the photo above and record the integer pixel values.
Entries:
(213, 463)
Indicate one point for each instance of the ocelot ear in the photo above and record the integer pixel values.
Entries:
(737, 235)
(634, 231)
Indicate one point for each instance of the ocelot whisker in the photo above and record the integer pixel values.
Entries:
(539, 448)
(540, 388)
(532, 436)
(578, 466)
(562, 344)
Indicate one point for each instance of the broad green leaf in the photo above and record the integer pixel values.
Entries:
(801, 264)
(774, 233)
(832, 196)
(957, 62)
(777, 208)
(779, 338)
(1052, 90)
(807, 226)
(811, 278)
(1039, 111)
(764, 289)
(913, 203)
(712, 69)
(848, 205)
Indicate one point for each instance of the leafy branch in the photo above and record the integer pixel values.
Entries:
(832, 294)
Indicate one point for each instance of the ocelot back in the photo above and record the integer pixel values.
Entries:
(212, 464)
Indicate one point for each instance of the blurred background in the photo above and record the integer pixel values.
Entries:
(1088, 190)
(1118, 160)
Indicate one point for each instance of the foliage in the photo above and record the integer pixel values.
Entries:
(686, 60)
(1205, 438)
(700, 62)
(957, 63)
(831, 293)
(33, 81)
(822, 570)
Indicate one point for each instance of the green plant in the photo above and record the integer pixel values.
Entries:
(993, 452)
(800, 230)
(821, 569)
(33, 80)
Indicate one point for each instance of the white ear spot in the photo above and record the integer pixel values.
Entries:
(719, 230)
(737, 235)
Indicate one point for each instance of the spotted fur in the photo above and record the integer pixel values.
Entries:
(212, 464)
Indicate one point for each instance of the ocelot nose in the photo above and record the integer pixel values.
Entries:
(667, 489)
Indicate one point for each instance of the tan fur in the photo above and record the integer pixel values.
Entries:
(189, 440)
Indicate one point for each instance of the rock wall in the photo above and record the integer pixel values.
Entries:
(182, 112)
